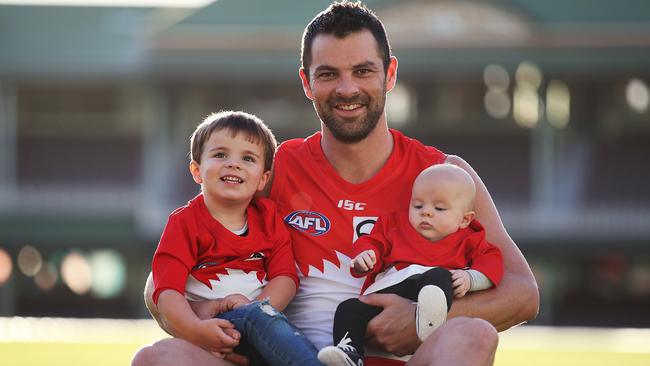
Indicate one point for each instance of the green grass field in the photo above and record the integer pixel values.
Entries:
(113, 342)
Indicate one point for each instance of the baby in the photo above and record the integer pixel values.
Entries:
(433, 252)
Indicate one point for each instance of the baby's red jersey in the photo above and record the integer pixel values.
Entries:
(199, 257)
(397, 246)
(326, 214)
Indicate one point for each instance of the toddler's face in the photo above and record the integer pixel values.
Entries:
(231, 168)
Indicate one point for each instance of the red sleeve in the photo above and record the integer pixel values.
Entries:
(173, 259)
(281, 261)
(376, 241)
(487, 259)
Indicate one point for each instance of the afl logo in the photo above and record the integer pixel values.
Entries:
(310, 222)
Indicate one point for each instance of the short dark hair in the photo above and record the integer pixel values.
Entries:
(234, 121)
(341, 19)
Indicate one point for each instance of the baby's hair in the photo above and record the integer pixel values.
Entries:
(456, 173)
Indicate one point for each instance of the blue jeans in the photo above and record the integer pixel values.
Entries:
(270, 333)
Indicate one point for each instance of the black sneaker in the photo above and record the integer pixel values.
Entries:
(343, 354)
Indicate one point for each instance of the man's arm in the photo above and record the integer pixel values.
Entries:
(514, 301)
(151, 306)
(211, 334)
(203, 309)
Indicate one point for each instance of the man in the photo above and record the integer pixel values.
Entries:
(332, 186)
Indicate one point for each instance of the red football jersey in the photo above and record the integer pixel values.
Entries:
(199, 257)
(398, 246)
(326, 215)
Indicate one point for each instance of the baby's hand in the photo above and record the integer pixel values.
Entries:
(364, 262)
(460, 281)
(233, 301)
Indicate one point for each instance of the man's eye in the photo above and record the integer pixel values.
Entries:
(326, 75)
(440, 209)
(220, 155)
(417, 207)
(249, 158)
(363, 71)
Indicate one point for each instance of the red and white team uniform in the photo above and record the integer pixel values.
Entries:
(402, 252)
(327, 215)
(199, 257)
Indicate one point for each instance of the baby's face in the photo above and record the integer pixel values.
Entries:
(437, 208)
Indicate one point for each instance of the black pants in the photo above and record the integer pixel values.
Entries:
(352, 316)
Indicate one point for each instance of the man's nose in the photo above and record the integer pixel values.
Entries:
(427, 213)
(347, 87)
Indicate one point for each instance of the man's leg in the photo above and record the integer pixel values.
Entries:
(459, 341)
(173, 352)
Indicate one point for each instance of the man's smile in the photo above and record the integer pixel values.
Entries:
(349, 107)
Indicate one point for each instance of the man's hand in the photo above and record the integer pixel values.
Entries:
(207, 309)
(364, 262)
(393, 330)
(460, 281)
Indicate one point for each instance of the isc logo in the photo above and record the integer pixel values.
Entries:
(313, 223)
(351, 205)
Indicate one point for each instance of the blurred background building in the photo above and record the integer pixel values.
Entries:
(548, 100)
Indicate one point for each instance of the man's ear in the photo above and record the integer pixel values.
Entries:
(195, 170)
(391, 74)
(305, 83)
(467, 218)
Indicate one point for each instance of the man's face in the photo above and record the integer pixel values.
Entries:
(347, 84)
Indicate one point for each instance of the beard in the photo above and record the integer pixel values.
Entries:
(351, 130)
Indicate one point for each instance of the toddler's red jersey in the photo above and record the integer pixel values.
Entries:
(199, 257)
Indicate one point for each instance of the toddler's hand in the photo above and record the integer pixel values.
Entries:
(460, 281)
(218, 336)
(233, 301)
(364, 262)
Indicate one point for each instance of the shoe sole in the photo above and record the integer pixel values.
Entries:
(431, 310)
(332, 356)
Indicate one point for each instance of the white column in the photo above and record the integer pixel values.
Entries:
(8, 146)
(154, 184)
(543, 168)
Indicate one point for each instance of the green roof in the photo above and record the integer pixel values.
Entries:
(261, 38)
